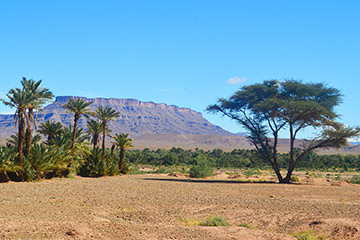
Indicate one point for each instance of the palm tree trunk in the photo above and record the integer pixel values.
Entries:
(28, 133)
(96, 140)
(112, 151)
(104, 136)
(21, 135)
(76, 119)
(122, 154)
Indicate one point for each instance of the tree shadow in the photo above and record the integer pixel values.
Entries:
(204, 180)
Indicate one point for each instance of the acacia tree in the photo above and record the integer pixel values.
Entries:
(105, 114)
(264, 110)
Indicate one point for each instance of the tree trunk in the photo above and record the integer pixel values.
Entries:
(277, 172)
(28, 135)
(291, 160)
(274, 160)
(293, 165)
(96, 139)
(21, 135)
(76, 119)
(104, 136)
(112, 151)
(122, 154)
(3, 176)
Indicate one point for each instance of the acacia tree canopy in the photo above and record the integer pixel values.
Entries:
(265, 109)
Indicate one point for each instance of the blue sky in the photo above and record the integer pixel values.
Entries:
(184, 53)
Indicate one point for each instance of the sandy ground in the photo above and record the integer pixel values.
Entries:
(167, 207)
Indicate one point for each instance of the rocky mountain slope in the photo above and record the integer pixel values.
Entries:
(136, 118)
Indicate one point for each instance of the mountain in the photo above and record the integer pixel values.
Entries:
(136, 117)
(156, 125)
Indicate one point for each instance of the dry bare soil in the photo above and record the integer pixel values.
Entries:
(168, 207)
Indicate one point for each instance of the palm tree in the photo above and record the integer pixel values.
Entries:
(105, 114)
(95, 128)
(50, 129)
(38, 97)
(63, 141)
(19, 99)
(79, 107)
(123, 142)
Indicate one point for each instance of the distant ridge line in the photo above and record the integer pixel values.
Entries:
(129, 102)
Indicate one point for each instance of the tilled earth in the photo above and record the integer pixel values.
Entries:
(164, 207)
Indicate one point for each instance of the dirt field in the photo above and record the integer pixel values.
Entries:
(164, 207)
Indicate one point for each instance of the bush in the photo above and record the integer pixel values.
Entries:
(355, 179)
(215, 221)
(203, 168)
(97, 165)
(295, 179)
(45, 162)
(7, 156)
(125, 169)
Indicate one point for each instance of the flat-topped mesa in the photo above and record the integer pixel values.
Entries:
(136, 118)
(129, 102)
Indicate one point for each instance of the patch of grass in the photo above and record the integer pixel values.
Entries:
(171, 169)
(231, 173)
(215, 221)
(163, 170)
(338, 177)
(306, 235)
(190, 221)
(135, 171)
(246, 225)
(355, 179)
(251, 172)
(317, 175)
(127, 209)
(71, 176)
(295, 179)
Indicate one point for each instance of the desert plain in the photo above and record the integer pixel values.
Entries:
(158, 206)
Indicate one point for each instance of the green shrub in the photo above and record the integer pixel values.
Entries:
(199, 171)
(215, 221)
(45, 162)
(355, 179)
(98, 165)
(295, 179)
(125, 169)
(204, 167)
(7, 156)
